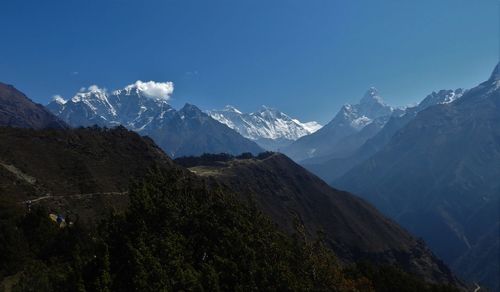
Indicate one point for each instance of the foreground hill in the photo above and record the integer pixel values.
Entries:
(85, 170)
(438, 177)
(168, 230)
(292, 196)
(17, 110)
(138, 107)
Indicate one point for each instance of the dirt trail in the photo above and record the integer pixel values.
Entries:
(77, 196)
(18, 173)
(478, 288)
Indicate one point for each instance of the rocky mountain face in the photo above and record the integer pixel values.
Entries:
(188, 131)
(270, 128)
(294, 197)
(331, 168)
(438, 177)
(346, 128)
(17, 110)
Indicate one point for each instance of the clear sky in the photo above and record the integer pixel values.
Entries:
(304, 57)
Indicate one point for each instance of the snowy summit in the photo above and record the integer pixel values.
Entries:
(269, 127)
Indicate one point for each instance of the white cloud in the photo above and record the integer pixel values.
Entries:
(94, 88)
(59, 99)
(161, 90)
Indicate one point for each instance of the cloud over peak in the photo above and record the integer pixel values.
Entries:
(95, 88)
(160, 90)
(58, 99)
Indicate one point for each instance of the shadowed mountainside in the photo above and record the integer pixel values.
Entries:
(17, 110)
(438, 177)
(291, 195)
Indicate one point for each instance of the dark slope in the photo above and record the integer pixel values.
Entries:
(438, 176)
(16, 110)
(354, 229)
(87, 169)
(171, 233)
(170, 229)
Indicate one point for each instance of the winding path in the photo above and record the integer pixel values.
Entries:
(478, 288)
(78, 196)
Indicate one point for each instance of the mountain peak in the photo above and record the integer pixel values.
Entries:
(230, 108)
(89, 93)
(59, 99)
(265, 108)
(265, 125)
(495, 75)
(371, 96)
(190, 109)
(270, 113)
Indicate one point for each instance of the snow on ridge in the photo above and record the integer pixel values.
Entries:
(266, 123)
(230, 108)
(312, 126)
(137, 106)
(361, 122)
(452, 96)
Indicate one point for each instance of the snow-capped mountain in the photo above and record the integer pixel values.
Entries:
(369, 108)
(440, 97)
(135, 107)
(269, 127)
(143, 107)
(331, 168)
(351, 123)
(438, 174)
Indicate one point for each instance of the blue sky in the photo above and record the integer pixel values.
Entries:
(305, 57)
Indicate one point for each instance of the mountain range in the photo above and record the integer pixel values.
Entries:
(188, 131)
(330, 168)
(268, 127)
(437, 175)
(349, 129)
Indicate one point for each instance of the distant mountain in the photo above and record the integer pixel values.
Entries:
(347, 125)
(17, 110)
(188, 131)
(270, 128)
(438, 176)
(292, 196)
(331, 168)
